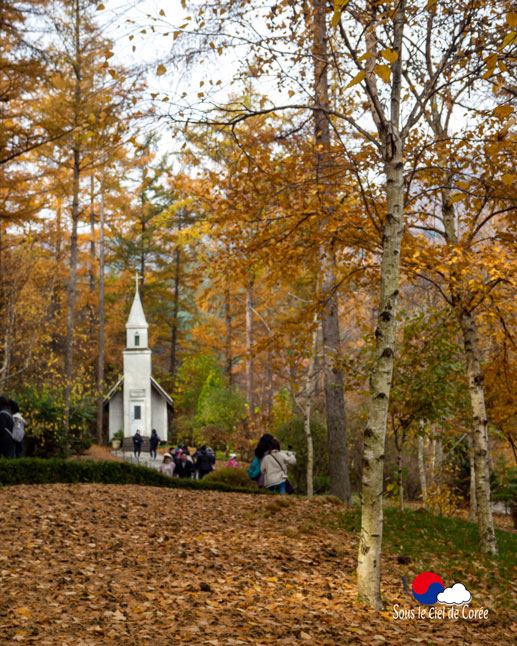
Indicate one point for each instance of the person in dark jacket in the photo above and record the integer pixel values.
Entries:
(137, 443)
(204, 461)
(184, 468)
(154, 440)
(7, 444)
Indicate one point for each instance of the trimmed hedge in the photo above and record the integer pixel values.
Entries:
(41, 471)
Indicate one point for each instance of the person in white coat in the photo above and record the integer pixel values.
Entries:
(274, 467)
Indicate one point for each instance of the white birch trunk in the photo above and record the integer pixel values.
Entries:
(370, 542)
(487, 539)
(421, 465)
(472, 497)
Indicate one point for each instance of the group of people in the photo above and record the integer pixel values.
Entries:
(269, 468)
(138, 440)
(179, 463)
(12, 429)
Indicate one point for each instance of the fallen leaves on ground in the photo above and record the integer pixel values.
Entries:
(92, 564)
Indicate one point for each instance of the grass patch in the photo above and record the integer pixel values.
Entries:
(447, 546)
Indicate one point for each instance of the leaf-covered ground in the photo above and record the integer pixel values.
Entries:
(109, 564)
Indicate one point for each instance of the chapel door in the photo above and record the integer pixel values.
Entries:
(138, 417)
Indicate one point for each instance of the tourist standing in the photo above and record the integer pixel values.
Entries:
(204, 462)
(137, 443)
(167, 467)
(154, 440)
(274, 467)
(184, 468)
(7, 444)
(19, 425)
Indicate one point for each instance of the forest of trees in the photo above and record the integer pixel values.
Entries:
(326, 240)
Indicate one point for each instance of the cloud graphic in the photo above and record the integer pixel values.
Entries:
(458, 595)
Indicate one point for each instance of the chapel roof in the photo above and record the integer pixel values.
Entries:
(136, 315)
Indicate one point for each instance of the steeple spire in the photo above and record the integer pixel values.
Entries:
(136, 325)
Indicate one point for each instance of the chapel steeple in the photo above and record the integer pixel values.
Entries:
(136, 326)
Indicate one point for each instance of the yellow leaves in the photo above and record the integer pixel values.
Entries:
(503, 111)
(457, 197)
(162, 12)
(431, 4)
(23, 611)
(511, 19)
(339, 5)
(100, 7)
(463, 185)
(160, 70)
(383, 72)
(390, 55)
(508, 179)
(366, 56)
(357, 79)
(510, 38)
(491, 62)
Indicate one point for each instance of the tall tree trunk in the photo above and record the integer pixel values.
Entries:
(269, 399)
(401, 481)
(92, 237)
(370, 542)
(306, 412)
(249, 343)
(487, 539)
(76, 175)
(460, 295)
(472, 497)
(175, 312)
(333, 376)
(100, 358)
(421, 465)
(228, 359)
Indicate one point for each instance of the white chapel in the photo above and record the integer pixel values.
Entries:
(137, 401)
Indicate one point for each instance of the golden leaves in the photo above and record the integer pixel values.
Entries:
(383, 72)
(503, 111)
(357, 79)
(508, 179)
(390, 55)
(160, 70)
(511, 19)
(339, 5)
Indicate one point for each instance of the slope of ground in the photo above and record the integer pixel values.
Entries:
(96, 564)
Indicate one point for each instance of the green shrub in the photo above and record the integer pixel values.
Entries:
(236, 477)
(43, 471)
(44, 410)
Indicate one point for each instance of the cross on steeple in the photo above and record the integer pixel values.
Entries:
(136, 279)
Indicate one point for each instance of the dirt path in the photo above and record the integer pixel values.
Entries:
(105, 564)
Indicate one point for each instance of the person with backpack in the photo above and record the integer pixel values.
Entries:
(19, 425)
(203, 461)
(137, 443)
(7, 443)
(263, 447)
(274, 468)
(154, 440)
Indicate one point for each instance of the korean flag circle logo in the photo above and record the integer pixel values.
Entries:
(426, 588)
